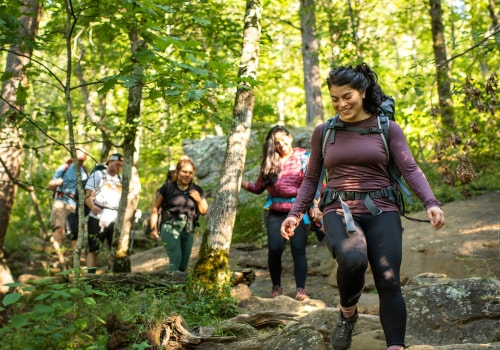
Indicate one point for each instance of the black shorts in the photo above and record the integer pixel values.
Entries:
(97, 234)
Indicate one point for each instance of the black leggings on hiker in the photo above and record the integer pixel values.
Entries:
(377, 241)
(276, 244)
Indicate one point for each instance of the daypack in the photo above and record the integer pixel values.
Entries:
(385, 113)
(98, 167)
(66, 167)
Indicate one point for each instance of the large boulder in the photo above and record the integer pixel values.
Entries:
(208, 155)
(444, 311)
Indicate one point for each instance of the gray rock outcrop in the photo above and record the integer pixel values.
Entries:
(443, 311)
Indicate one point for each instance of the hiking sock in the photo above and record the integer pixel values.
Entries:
(348, 312)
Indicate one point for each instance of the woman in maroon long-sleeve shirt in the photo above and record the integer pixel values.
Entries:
(282, 173)
(357, 164)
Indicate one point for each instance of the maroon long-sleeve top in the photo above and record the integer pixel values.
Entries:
(356, 162)
(290, 178)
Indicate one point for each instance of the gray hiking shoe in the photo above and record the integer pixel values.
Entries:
(342, 335)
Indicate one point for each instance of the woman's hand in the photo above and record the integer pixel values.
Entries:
(316, 214)
(436, 217)
(288, 227)
(195, 195)
(244, 184)
(200, 202)
(154, 234)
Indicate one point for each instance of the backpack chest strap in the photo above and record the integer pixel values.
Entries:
(341, 126)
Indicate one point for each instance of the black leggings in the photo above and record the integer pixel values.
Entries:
(276, 245)
(378, 241)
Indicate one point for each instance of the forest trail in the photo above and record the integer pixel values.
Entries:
(468, 245)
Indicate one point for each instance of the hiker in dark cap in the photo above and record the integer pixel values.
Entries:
(360, 203)
(103, 193)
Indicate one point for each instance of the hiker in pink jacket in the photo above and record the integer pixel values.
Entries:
(282, 172)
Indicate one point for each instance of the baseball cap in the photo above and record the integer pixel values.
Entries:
(116, 156)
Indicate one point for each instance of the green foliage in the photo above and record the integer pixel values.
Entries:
(53, 315)
(48, 314)
(203, 305)
(248, 227)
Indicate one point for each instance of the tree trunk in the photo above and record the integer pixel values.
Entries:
(310, 60)
(10, 136)
(494, 21)
(71, 19)
(354, 26)
(442, 69)
(131, 185)
(212, 267)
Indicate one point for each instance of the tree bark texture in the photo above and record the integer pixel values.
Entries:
(98, 121)
(211, 265)
(310, 62)
(354, 26)
(130, 180)
(494, 21)
(11, 142)
(442, 68)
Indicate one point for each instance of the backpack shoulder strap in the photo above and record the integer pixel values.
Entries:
(329, 129)
(168, 193)
(304, 157)
(383, 123)
(66, 167)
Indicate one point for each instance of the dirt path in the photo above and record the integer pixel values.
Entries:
(467, 246)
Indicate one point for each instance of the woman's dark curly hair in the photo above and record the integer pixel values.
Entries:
(361, 78)
(270, 167)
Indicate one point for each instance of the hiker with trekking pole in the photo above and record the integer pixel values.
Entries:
(362, 202)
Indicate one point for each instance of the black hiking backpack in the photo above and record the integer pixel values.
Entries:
(385, 113)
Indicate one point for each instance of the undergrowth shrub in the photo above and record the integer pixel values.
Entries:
(54, 315)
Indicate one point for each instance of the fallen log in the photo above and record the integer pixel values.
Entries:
(141, 281)
(176, 335)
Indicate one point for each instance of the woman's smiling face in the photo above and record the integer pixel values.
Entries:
(185, 175)
(283, 143)
(348, 103)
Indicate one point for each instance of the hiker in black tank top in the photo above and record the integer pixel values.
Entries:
(181, 202)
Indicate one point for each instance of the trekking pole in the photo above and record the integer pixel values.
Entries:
(137, 216)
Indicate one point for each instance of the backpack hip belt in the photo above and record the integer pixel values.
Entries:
(271, 200)
(330, 195)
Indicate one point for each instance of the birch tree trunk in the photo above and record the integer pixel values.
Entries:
(212, 267)
(11, 142)
(310, 61)
(442, 68)
(71, 20)
(130, 181)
